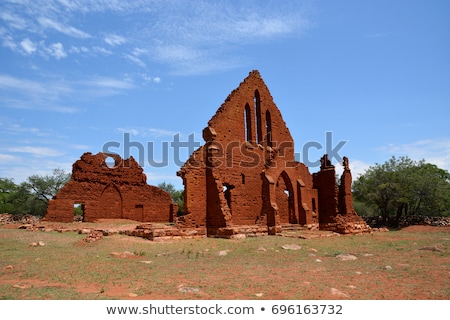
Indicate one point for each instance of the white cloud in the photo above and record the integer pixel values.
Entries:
(8, 82)
(67, 30)
(435, 151)
(111, 83)
(102, 50)
(8, 42)
(37, 151)
(80, 147)
(190, 38)
(7, 158)
(357, 167)
(56, 50)
(157, 79)
(13, 20)
(115, 40)
(28, 46)
(27, 94)
(136, 60)
(146, 132)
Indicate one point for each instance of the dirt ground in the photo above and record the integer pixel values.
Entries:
(279, 282)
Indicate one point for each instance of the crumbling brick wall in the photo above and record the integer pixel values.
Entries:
(246, 174)
(110, 192)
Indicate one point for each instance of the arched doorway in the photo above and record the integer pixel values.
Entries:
(111, 203)
(285, 199)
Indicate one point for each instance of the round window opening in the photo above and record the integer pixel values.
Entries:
(110, 162)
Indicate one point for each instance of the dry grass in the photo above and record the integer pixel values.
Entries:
(389, 265)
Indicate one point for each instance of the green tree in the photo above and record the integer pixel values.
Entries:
(401, 186)
(43, 188)
(177, 195)
(8, 191)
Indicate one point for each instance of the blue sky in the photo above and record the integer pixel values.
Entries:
(75, 75)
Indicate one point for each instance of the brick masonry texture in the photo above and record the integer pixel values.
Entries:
(118, 191)
(244, 179)
(246, 175)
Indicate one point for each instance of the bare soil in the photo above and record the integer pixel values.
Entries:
(389, 265)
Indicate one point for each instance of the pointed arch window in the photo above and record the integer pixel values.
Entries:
(257, 105)
(268, 128)
(248, 123)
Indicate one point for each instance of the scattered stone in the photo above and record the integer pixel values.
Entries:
(351, 287)
(346, 257)
(163, 254)
(388, 268)
(223, 253)
(132, 295)
(147, 262)
(9, 267)
(33, 244)
(7, 218)
(318, 260)
(337, 293)
(380, 229)
(182, 288)
(41, 244)
(259, 295)
(291, 247)
(313, 250)
(367, 255)
(123, 255)
(432, 248)
(84, 231)
(26, 226)
(358, 272)
(94, 235)
(261, 249)
(311, 255)
(409, 221)
(20, 286)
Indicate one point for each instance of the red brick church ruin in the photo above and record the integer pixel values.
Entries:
(244, 179)
(116, 191)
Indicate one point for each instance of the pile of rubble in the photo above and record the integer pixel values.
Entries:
(92, 235)
(7, 218)
(376, 222)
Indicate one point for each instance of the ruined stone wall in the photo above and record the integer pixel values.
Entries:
(345, 190)
(246, 175)
(247, 144)
(110, 192)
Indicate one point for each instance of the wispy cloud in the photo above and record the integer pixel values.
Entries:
(65, 29)
(28, 46)
(51, 95)
(13, 20)
(357, 167)
(135, 59)
(32, 87)
(7, 158)
(115, 40)
(56, 50)
(187, 37)
(37, 151)
(147, 132)
(109, 83)
(436, 151)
